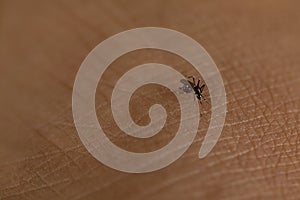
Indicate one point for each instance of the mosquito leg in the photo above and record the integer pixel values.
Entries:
(193, 79)
(202, 87)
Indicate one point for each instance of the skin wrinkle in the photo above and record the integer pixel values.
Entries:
(253, 100)
(179, 178)
(99, 190)
(253, 170)
(64, 153)
(52, 184)
(247, 135)
(239, 154)
(46, 183)
(37, 175)
(287, 139)
(190, 174)
(41, 155)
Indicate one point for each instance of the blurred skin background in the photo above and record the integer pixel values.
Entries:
(256, 47)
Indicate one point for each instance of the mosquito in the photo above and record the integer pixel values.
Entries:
(191, 86)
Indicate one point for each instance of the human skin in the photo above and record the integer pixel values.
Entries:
(255, 45)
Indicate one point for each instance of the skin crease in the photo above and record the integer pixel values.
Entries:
(255, 45)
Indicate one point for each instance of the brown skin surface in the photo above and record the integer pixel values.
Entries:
(256, 46)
